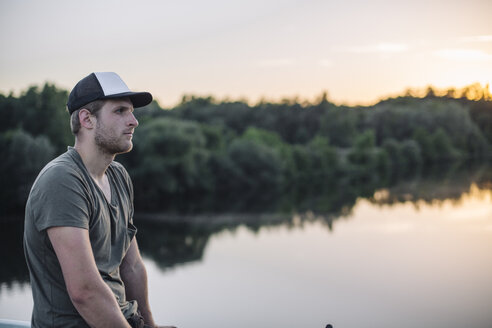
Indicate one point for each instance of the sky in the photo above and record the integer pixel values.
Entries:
(357, 51)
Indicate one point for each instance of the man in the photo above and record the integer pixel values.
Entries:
(79, 239)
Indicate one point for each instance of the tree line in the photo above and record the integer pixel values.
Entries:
(205, 153)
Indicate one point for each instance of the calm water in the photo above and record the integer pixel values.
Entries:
(408, 264)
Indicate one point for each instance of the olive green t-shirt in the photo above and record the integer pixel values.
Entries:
(64, 194)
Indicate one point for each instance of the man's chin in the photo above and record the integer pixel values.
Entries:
(126, 150)
(123, 149)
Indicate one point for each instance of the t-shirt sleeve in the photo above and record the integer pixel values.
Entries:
(60, 198)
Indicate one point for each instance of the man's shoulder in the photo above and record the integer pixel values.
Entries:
(120, 169)
(59, 169)
(118, 166)
(121, 177)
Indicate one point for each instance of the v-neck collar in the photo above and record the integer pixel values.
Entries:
(109, 174)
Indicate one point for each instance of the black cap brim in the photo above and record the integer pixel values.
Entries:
(138, 99)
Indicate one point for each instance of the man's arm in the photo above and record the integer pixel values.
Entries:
(134, 276)
(92, 298)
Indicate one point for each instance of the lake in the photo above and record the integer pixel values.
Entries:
(378, 263)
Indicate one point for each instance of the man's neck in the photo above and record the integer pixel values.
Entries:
(94, 159)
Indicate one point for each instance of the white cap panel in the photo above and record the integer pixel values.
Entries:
(111, 83)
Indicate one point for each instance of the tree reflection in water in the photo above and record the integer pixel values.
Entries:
(175, 239)
(14, 267)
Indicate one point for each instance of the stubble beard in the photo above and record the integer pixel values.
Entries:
(109, 143)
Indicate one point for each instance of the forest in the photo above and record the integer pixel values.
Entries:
(210, 155)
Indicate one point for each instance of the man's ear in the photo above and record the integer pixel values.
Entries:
(87, 120)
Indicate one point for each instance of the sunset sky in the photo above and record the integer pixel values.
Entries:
(358, 51)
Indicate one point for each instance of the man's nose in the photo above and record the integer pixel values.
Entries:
(133, 120)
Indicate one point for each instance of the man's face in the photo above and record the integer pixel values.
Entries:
(115, 126)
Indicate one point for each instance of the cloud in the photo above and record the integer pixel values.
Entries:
(477, 38)
(380, 48)
(463, 54)
(279, 62)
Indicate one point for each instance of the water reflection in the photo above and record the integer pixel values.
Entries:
(414, 253)
(175, 239)
(171, 240)
(12, 253)
(171, 243)
(436, 186)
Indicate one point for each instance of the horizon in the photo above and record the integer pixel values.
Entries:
(484, 92)
(359, 53)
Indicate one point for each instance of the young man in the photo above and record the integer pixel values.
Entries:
(79, 238)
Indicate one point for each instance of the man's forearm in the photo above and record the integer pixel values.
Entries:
(135, 279)
(98, 306)
(90, 295)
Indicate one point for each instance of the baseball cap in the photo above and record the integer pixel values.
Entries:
(104, 85)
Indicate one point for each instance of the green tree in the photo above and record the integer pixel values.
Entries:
(324, 160)
(366, 159)
(394, 151)
(481, 114)
(405, 157)
(274, 142)
(43, 112)
(316, 165)
(23, 156)
(170, 158)
(362, 152)
(412, 155)
(426, 144)
(257, 167)
(339, 125)
(8, 108)
(443, 147)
